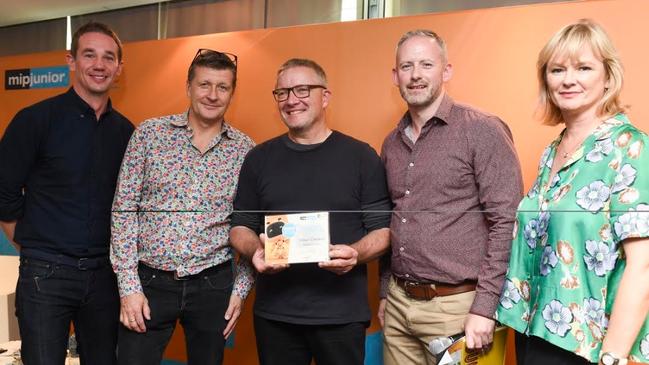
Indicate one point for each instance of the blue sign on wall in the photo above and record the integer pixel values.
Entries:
(5, 247)
(37, 78)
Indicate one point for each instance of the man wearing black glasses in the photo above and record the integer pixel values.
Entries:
(312, 311)
(170, 247)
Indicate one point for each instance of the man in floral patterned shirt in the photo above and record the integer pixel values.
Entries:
(170, 247)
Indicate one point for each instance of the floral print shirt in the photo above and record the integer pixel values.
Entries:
(173, 203)
(567, 258)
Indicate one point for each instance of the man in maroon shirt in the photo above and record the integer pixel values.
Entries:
(455, 182)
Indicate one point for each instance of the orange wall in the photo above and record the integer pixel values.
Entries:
(493, 52)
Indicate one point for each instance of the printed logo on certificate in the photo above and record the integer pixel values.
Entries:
(297, 238)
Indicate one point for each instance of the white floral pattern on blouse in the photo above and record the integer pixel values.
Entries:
(567, 258)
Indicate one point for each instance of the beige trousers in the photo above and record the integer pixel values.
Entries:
(411, 324)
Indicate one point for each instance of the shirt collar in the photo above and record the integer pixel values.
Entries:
(605, 129)
(443, 114)
(602, 132)
(183, 122)
(76, 101)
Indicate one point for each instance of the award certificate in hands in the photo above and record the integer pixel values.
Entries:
(297, 238)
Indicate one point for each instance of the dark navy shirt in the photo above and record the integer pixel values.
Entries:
(58, 172)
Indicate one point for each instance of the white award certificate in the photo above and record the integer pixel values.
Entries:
(297, 238)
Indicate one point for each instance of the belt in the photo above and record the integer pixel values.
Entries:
(81, 263)
(428, 291)
(173, 275)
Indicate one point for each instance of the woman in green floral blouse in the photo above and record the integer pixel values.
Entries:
(577, 288)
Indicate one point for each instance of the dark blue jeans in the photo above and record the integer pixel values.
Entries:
(49, 296)
(281, 343)
(199, 303)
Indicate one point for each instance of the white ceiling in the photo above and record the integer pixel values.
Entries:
(25, 11)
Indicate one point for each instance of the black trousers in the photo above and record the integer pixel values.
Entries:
(50, 295)
(199, 303)
(281, 343)
(532, 350)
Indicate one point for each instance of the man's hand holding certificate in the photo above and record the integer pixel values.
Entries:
(342, 259)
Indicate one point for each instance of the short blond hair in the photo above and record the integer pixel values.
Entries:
(427, 34)
(569, 41)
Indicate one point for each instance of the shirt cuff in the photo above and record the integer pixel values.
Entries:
(385, 272)
(11, 212)
(383, 288)
(128, 283)
(485, 304)
(244, 278)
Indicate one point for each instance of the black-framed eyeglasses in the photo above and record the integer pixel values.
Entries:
(300, 91)
(204, 52)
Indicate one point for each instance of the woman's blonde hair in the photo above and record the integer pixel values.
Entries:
(569, 41)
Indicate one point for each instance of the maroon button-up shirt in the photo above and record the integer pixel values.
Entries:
(455, 192)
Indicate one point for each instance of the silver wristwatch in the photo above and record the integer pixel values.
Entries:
(610, 358)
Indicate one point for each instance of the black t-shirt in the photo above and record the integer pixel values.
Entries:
(343, 176)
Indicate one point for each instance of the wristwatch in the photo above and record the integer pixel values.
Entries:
(610, 358)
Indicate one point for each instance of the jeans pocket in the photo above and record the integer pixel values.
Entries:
(219, 281)
(29, 266)
(36, 271)
(146, 277)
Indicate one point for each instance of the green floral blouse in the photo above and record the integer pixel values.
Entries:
(567, 261)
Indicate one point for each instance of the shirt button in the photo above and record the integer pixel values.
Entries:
(401, 249)
(407, 275)
(403, 220)
(411, 164)
(82, 116)
(407, 192)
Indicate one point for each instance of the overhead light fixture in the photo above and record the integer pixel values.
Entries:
(68, 33)
(348, 10)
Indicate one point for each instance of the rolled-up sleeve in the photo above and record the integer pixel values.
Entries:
(246, 200)
(375, 200)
